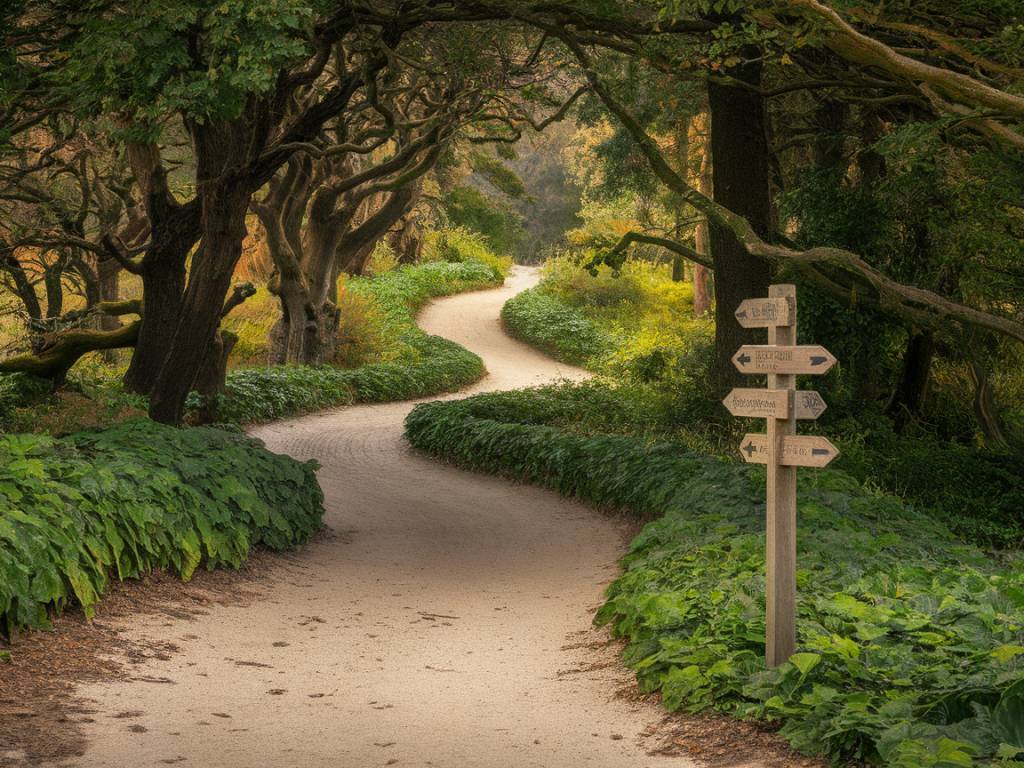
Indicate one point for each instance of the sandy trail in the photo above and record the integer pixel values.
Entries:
(444, 622)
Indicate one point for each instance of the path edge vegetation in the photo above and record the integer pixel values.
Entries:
(910, 642)
(979, 494)
(116, 503)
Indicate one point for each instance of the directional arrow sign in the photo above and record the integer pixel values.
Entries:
(797, 450)
(761, 313)
(755, 358)
(773, 404)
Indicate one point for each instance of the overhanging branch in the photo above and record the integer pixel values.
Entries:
(915, 304)
(615, 256)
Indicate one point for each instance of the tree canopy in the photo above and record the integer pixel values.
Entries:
(882, 162)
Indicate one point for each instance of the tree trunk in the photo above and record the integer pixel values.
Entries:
(224, 205)
(682, 142)
(407, 241)
(221, 149)
(23, 286)
(912, 387)
(53, 282)
(986, 411)
(108, 287)
(739, 151)
(293, 337)
(678, 269)
(163, 286)
(212, 374)
(174, 230)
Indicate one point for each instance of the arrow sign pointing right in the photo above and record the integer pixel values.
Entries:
(797, 450)
(809, 404)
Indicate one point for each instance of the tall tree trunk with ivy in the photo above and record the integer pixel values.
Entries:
(739, 152)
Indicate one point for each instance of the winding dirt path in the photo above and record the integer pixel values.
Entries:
(444, 621)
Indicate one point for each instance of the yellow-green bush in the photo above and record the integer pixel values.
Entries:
(457, 244)
(363, 333)
(639, 326)
(252, 322)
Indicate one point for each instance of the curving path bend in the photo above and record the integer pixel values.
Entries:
(445, 622)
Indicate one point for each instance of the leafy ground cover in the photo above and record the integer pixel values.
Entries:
(911, 643)
(431, 365)
(550, 324)
(78, 511)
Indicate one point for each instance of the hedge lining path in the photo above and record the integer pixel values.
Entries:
(445, 621)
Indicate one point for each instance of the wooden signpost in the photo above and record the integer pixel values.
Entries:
(781, 449)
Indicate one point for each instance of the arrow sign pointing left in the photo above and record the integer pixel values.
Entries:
(797, 450)
(762, 313)
(768, 358)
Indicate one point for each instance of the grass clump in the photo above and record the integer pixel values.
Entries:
(77, 511)
(911, 643)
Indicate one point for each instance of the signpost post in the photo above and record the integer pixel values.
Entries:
(781, 449)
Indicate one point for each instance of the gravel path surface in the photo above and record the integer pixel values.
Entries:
(444, 620)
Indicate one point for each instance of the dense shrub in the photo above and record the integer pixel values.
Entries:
(265, 394)
(78, 511)
(467, 208)
(637, 327)
(978, 494)
(457, 245)
(398, 295)
(911, 648)
(550, 324)
(15, 390)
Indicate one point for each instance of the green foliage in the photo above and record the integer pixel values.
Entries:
(16, 389)
(549, 324)
(264, 394)
(499, 175)
(148, 60)
(469, 208)
(401, 293)
(458, 244)
(978, 494)
(92, 396)
(637, 328)
(78, 511)
(415, 364)
(911, 649)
